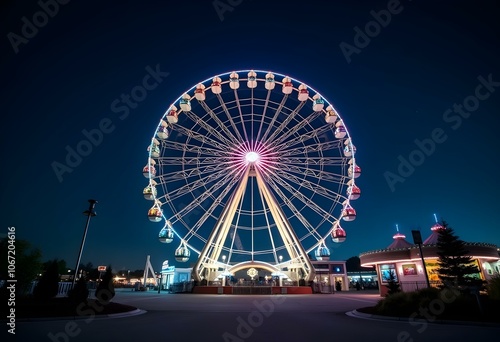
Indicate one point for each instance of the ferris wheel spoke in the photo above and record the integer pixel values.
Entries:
(219, 123)
(284, 124)
(228, 181)
(275, 181)
(317, 174)
(203, 138)
(182, 161)
(312, 231)
(314, 187)
(275, 117)
(302, 138)
(191, 186)
(195, 149)
(202, 123)
(241, 115)
(266, 104)
(193, 231)
(174, 176)
(229, 116)
(297, 127)
(310, 148)
(311, 160)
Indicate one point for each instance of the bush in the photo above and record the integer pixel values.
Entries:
(440, 305)
(105, 290)
(80, 293)
(48, 285)
(406, 303)
(397, 304)
(493, 287)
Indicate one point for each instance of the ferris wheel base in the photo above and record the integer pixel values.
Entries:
(253, 290)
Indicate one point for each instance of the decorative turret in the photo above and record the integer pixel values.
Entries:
(399, 241)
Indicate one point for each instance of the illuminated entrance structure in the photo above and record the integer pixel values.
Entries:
(251, 169)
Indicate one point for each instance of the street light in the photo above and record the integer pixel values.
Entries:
(89, 213)
(225, 269)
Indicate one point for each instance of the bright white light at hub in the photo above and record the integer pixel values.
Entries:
(252, 157)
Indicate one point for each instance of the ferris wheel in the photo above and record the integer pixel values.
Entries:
(251, 168)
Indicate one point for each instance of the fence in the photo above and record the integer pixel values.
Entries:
(64, 287)
(409, 286)
(186, 286)
(322, 288)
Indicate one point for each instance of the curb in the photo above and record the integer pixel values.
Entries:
(131, 313)
(362, 315)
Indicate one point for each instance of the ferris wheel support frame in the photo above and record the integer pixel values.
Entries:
(209, 256)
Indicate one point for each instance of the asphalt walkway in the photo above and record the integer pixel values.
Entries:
(188, 317)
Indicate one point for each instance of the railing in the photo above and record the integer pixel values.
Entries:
(64, 288)
(409, 286)
(322, 288)
(239, 290)
(186, 286)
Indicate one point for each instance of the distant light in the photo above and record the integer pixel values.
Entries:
(252, 157)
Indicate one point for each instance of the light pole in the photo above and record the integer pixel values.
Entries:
(280, 281)
(417, 239)
(89, 213)
(225, 268)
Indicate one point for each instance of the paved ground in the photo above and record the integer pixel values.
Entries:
(188, 317)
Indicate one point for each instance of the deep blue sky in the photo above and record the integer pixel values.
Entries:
(395, 90)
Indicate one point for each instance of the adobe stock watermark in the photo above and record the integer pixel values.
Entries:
(245, 327)
(94, 137)
(30, 27)
(454, 117)
(435, 308)
(363, 37)
(223, 6)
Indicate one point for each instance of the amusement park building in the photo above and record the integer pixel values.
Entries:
(403, 259)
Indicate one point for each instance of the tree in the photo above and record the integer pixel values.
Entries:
(353, 264)
(136, 274)
(28, 263)
(80, 293)
(105, 290)
(455, 266)
(62, 268)
(89, 271)
(48, 285)
(392, 284)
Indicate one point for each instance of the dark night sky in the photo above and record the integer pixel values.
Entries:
(395, 90)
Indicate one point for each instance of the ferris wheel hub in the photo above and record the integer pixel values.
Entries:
(252, 157)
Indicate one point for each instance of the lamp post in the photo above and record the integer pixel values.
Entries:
(417, 239)
(225, 268)
(279, 273)
(89, 213)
